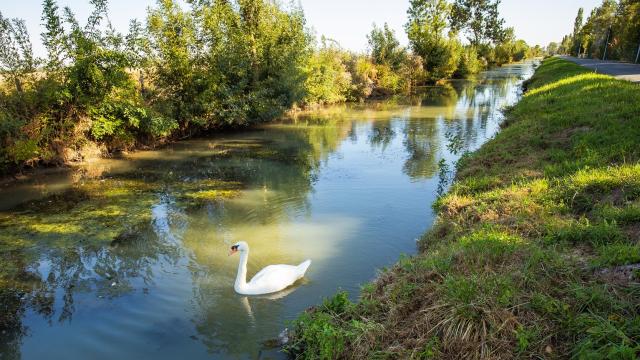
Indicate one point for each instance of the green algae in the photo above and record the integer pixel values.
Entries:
(108, 208)
(95, 212)
(213, 194)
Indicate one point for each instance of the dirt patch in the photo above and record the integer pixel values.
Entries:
(569, 133)
(622, 275)
(633, 232)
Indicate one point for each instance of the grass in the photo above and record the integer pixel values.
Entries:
(530, 254)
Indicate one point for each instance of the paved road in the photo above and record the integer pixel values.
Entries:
(617, 69)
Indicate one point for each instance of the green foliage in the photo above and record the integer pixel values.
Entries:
(385, 48)
(173, 35)
(480, 19)
(363, 77)
(319, 335)
(510, 50)
(425, 29)
(231, 63)
(431, 349)
(388, 81)
(16, 54)
(625, 215)
(583, 232)
(338, 304)
(617, 255)
(553, 49)
(23, 150)
(218, 64)
(335, 75)
(328, 81)
(607, 338)
(54, 36)
(469, 63)
(119, 121)
(524, 337)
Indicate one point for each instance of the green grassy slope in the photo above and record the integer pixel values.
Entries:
(534, 249)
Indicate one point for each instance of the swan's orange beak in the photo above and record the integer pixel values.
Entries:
(232, 251)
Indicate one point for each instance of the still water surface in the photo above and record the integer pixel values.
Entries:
(127, 258)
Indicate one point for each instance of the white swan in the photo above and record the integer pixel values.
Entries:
(269, 280)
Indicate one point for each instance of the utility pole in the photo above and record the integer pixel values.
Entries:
(638, 54)
(606, 44)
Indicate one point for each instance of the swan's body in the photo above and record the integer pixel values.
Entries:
(271, 279)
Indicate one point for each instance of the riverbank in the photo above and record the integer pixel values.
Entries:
(535, 250)
(71, 155)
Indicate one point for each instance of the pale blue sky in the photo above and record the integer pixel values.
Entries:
(348, 21)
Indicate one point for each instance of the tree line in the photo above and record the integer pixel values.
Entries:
(613, 27)
(215, 64)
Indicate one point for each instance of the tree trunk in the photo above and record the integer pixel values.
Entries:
(18, 85)
(141, 80)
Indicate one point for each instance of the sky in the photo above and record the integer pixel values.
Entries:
(347, 21)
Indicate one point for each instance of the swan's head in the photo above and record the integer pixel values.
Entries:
(239, 247)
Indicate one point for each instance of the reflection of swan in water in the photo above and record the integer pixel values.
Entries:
(271, 279)
(246, 304)
(247, 307)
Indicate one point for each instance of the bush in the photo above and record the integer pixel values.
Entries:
(469, 63)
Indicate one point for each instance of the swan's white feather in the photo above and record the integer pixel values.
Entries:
(274, 278)
(275, 275)
(281, 272)
(271, 279)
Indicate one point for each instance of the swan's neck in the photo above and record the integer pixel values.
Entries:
(241, 278)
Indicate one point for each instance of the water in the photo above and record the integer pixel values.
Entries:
(127, 258)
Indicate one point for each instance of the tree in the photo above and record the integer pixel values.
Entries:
(413, 71)
(577, 24)
(328, 81)
(264, 41)
(577, 27)
(138, 49)
(228, 62)
(385, 48)
(426, 31)
(510, 49)
(627, 30)
(172, 32)
(479, 19)
(469, 63)
(53, 38)
(16, 54)
(565, 45)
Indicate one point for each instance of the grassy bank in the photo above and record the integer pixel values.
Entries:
(533, 253)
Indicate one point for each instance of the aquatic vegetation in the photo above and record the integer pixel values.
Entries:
(96, 212)
(533, 250)
(213, 194)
